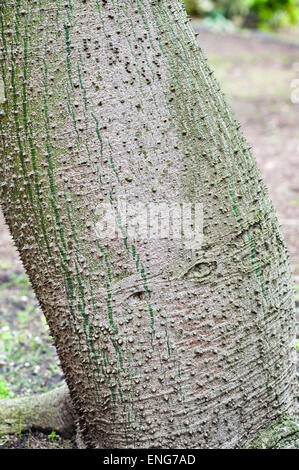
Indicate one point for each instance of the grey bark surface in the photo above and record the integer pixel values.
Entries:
(161, 346)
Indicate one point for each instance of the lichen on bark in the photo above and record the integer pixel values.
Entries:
(282, 434)
(161, 346)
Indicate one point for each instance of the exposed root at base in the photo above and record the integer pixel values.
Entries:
(45, 412)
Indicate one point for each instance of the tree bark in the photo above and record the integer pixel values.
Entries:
(161, 345)
(45, 412)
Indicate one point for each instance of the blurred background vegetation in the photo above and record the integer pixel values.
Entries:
(258, 14)
(257, 72)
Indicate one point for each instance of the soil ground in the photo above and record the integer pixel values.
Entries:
(257, 75)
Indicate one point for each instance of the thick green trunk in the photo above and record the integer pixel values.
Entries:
(161, 345)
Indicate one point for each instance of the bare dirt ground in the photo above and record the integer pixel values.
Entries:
(257, 77)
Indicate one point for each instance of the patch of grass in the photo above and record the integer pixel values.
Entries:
(19, 281)
(35, 440)
(28, 360)
(22, 282)
(4, 392)
(53, 436)
(3, 441)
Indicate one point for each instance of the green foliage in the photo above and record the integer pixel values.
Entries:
(4, 393)
(270, 14)
(198, 7)
(233, 8)
(53, 437)
(273, 14)
(27, 357)
(20, 281)
(20, 428)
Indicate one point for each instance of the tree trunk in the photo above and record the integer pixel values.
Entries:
(162, 344)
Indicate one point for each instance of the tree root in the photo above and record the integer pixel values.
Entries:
(45, 412)
(53, 411)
